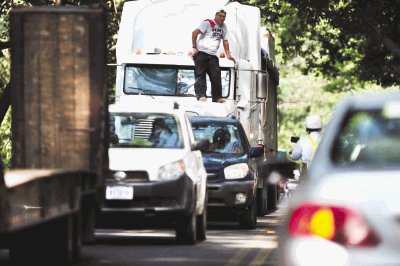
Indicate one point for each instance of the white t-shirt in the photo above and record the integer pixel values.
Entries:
(210, 39)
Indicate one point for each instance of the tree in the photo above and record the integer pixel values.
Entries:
(353, 40)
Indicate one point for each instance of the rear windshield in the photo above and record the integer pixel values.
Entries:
(144, 131)
(368, 139)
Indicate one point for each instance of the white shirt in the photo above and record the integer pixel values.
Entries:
(210, 38)
(304, 148)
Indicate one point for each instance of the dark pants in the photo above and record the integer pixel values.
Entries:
(207, 64)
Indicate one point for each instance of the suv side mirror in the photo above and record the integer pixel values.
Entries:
(201, 145)
(256, 151)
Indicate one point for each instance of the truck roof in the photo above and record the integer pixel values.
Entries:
(168, 25)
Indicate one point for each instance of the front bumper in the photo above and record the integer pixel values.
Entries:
(223, 195)
(153, 198)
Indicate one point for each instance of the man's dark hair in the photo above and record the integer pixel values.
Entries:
(220, 11)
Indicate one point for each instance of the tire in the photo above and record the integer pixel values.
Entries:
(261, 202)
(201, 225)
(249, 219)
(88, 214)
(272, 203)
(57, 242)
(186, 232)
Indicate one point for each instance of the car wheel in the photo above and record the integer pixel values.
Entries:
(186, 232)
(261, 202)
(272, 203)
(249, 218)
(201, 225)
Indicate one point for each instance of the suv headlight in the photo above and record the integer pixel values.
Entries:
(236, 171)
(171, 171)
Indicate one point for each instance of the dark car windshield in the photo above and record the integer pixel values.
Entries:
(144, 130)
(368, 139)
(224, 138)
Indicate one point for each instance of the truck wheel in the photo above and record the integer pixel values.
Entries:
(88, 214)
(272, 202)
(261, 202)
(59, 243)
(186, 232)
(249, 218)
(201, 225)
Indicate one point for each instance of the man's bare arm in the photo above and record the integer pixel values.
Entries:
(227, 51)
(195, 33)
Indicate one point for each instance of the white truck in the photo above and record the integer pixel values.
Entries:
(154, 64)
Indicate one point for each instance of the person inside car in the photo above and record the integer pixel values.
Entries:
(222, 142)
(162, 136)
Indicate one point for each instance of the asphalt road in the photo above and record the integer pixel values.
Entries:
(226, 244)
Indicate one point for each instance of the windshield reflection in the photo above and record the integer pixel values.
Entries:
(167, 81)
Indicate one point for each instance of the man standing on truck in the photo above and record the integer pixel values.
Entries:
(205, 55)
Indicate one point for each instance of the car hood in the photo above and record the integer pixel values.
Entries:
(143, 159)
(377, 189)
(218, 160)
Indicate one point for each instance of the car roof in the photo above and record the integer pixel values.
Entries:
(371, 100)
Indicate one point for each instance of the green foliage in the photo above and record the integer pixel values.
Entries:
(5, 140)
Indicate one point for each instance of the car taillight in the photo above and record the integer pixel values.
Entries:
(341, 225)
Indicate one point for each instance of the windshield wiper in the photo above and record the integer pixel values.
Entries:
(145, 92)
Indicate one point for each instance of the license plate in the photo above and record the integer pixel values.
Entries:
(119, 193)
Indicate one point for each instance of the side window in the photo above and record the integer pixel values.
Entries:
(190, 131)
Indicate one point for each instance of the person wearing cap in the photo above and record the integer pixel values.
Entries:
(305, 147)
(206, 40)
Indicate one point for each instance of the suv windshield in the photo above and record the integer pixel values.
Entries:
(144, 130)
(368, 138)
(166, 80)
(224, 138)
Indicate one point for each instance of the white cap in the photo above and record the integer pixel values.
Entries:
(313, 122)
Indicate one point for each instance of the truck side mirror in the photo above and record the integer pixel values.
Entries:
(262, 86)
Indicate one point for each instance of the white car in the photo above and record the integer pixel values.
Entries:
(347, 210)
(156, 173)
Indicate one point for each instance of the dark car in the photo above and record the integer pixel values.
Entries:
(231, 166)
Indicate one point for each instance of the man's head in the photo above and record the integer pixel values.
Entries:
(159, 125)
(221, 137)
(220, 16)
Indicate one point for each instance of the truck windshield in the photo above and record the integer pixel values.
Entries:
(144, 130)
(167, 80)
